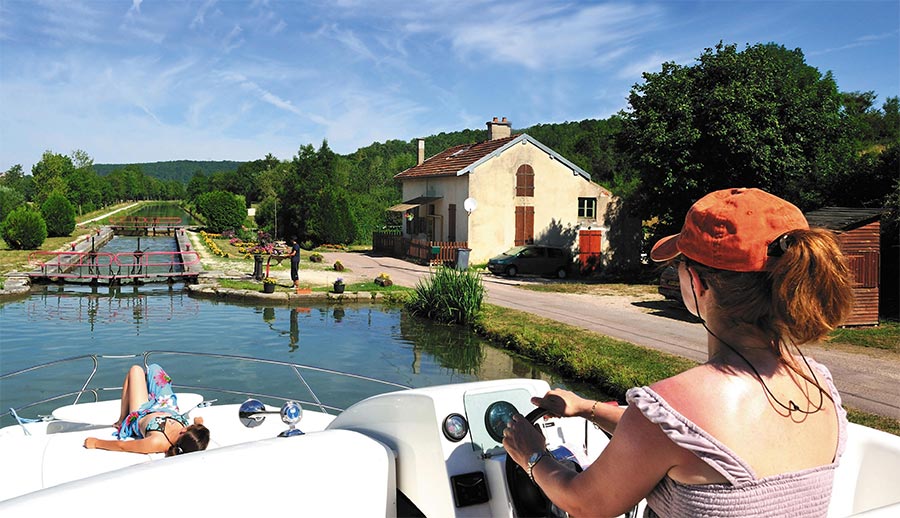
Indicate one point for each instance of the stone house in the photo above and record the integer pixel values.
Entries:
(508, 190)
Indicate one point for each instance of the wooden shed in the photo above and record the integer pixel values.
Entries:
(859, 233)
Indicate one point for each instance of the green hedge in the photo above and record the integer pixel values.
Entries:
(24, 229)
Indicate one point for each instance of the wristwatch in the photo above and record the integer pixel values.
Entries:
(533, 460)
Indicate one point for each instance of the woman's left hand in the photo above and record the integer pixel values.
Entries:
(521, 439)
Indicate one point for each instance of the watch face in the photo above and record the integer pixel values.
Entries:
(534, 457)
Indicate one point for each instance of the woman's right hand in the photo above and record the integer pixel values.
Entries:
(561, 403)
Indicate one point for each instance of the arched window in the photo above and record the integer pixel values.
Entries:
(525, 181)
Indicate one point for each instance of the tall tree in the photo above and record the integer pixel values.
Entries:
(50, 175)
(15, 179)
(760, 117)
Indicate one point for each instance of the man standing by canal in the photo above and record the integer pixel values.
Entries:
(295, 263)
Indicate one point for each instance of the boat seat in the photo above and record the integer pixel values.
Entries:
(105, 412)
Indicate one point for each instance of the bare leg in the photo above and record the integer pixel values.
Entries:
(134, 392)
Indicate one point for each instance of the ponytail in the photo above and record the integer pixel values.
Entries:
(811, 286)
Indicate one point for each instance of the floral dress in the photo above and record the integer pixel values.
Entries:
(162, 399)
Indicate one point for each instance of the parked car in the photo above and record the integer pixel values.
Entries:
(534, 259)
(669, 285)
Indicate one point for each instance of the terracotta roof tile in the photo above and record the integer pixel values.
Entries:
(454, 159)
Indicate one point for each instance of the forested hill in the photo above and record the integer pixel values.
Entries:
(181, 170)
(587, 143)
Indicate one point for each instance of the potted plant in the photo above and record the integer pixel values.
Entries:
(339, 285)
(269, 285)
(338, 266)
(383, 279)
(315, 257)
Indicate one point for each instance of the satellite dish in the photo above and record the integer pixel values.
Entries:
(470, 205)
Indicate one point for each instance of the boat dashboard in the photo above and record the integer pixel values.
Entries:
(450, 460)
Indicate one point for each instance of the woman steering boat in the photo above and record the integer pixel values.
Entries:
(758, 429)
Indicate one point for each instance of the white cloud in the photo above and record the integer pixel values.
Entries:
(200, 17)
(553, 37)
(234, 39)
(348, 39)
(862, 41)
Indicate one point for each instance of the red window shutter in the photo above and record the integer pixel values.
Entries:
(525, 180)
(520, 226)
(529, 225)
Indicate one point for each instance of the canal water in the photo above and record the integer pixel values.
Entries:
(63, 321)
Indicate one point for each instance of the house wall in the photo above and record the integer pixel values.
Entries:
(453, 190)
(555, 202)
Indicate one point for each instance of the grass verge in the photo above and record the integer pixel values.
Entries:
(886, 336)
(370, 287)
(591, 358)
(613, 365)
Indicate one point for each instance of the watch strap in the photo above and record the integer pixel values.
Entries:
(531, 465)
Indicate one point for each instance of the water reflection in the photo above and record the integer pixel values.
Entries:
(101, 305)
(463, 351)
(57, 322)
(293, 332)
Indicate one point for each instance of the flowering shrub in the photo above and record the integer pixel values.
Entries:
(213, 247)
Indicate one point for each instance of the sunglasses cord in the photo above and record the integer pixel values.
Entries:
(791, 406)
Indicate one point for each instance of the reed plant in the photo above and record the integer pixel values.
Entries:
(448, 295)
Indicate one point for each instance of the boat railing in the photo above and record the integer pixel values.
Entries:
(296, 368)
(93, 393)
(77, 394)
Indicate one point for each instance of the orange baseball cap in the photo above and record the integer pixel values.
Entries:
(731, 230)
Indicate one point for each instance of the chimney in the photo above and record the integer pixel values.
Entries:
(421, 151)
(499, 129)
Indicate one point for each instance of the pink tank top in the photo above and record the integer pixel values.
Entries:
(801, 493)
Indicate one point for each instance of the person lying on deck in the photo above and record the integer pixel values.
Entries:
(149, 414)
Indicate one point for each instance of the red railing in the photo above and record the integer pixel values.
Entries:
(105, 265)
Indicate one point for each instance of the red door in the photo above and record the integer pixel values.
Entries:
(589, 249)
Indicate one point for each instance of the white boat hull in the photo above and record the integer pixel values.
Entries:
(384, 453)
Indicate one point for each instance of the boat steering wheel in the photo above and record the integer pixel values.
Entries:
(528, 499)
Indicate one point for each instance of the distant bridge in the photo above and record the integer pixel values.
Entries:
(146, 225)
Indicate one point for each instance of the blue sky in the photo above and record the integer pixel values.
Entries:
(144, 81)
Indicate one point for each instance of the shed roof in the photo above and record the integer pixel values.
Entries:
(843, 218)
